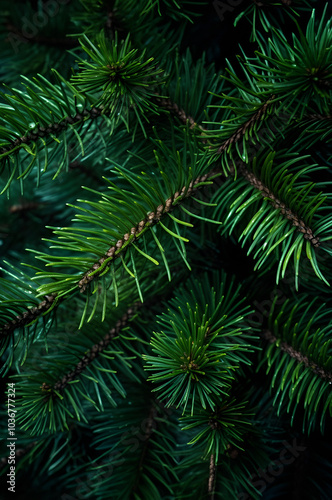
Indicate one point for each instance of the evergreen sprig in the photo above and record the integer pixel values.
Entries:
(289, 206)
(303, 68)
(44, 110)
(300, 356)
(197, 351)
(119, 77)
(125, 216)
(221, 429)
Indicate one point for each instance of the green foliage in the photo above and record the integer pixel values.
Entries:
(172, 339)
(303, 68)
(124, 216)
(267, 14)
(294, 215)
(220, 429)
(55, 112)
(18, 300)
(198, 365)
(126, 80)
(141, 450)
(301, 359)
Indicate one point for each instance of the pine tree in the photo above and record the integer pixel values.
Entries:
(166, 227)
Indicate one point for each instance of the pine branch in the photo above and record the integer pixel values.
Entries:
(241, 131)
(301, 226)
(136, 231)
(249, 176)
(28, 316)
(176, 111)
(52, 128)
(95, 350)
(307, 211)
(300, 358)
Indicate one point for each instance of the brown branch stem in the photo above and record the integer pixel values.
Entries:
(212, 477)
(240, 132)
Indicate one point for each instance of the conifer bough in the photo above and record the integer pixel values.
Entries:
(186, 379)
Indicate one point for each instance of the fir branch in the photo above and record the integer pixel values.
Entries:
(298, 205)
(249, 176)
(28, 316)
(176, 110)
(95, 350)
(241, 131)
(300, 358)
(184, 117)
(136, 231)
(280, 205)
(52, 128)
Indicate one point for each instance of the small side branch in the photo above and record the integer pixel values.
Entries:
(52, 128)
(276, 203)
(97, 348)
(28, 316)
(300, 358)
(134, 233)
(177, 111)
(240, 132)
